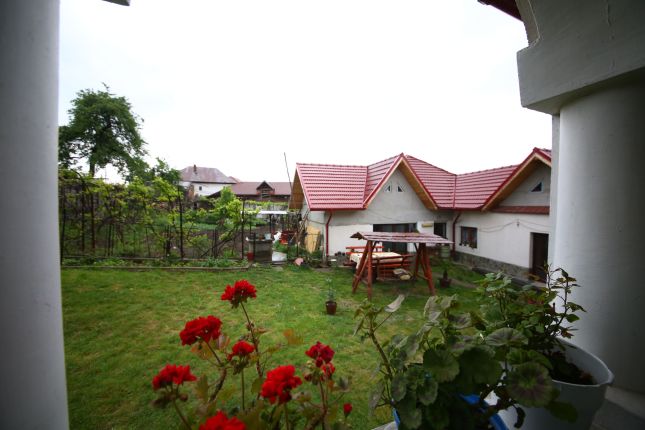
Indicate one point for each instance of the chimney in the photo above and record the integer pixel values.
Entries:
(195, 168)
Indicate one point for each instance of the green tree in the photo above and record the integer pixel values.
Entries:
(102, 130)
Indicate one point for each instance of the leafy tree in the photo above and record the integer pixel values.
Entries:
(102, 130)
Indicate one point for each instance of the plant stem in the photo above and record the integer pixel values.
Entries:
(183, 418)
(253, 339)
(384, 359)
(214, 355)
(243, 402)
(286, 416)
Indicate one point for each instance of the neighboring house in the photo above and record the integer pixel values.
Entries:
(203, 181)
(498, 218)
(278, 192)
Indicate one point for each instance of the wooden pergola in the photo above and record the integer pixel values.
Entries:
(421, 242)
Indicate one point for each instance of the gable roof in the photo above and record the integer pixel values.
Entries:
(205, 174)
(537, 157)
(253, 188)
(337, 187)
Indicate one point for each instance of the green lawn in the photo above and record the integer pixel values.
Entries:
(121, 327)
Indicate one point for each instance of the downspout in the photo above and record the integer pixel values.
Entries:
(454, 228)
(331, 213)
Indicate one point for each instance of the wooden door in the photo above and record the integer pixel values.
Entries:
(540, 254)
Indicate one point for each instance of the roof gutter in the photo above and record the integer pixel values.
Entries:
(331, 214)
(454, 229)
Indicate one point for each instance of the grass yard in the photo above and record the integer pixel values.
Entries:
(121, 327)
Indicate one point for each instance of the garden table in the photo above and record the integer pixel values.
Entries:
(421, 242)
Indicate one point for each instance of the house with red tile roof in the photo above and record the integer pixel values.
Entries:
(277, 192)
(497, 218)
(203, 181)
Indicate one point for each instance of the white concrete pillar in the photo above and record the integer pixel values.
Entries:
(586, 63)
(32, 392)
(600, 237)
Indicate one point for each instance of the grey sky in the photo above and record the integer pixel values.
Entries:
(234, 84)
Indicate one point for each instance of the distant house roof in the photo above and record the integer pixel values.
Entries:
(205, 174)
(253, 188)
(337, 187)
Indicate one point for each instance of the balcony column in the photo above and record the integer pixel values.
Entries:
(585, 65)
(33, 391)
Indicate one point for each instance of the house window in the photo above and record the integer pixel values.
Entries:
(399, 188)
(468, 237)
(388, 188)
(537, 188)
(440, 229)
(200, 188)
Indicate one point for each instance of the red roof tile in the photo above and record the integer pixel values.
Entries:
(251, 188)
(472, 189)
(336, 187)
(328, 186)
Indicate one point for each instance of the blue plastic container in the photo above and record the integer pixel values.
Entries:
(495, 420)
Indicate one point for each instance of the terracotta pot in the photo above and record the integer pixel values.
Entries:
(250, 256)
(331, 308)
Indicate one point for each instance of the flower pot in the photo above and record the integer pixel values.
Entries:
(444, 282)
(331, 307)
(587, 399)
(250, 256)
(495, 421)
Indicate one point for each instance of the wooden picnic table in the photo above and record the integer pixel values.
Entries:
(421, 242)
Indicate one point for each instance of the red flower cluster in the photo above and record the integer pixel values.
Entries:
(347, 408)
(321, 353)
(280, 381)
(239, 292)
(204, 328)
(328, 369)
(241, 349)
(172, 374)
(222, 422)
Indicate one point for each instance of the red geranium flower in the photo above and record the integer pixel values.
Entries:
(321, 353)
(240, 292)
(222, 422)
(172, 374)
(280, 381)
(241, 349)
(328, 369)
(204, 328)
(347, 408)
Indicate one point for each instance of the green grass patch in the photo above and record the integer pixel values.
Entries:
(121, 327)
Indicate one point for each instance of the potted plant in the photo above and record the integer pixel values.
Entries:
(544, 316)
(439, 376)
(444, 281)
(330, 304)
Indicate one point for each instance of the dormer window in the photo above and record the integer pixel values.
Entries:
(388, 188)
(399, 188)
(537, 188)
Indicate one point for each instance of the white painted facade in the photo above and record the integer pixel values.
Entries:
(501, 236)
(203, 188)
(524, 195)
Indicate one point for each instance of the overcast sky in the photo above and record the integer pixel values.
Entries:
(235, 84)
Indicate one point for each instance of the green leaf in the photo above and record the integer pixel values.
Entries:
(408, 411)
(572, 318)
(427, 391)
(395, 305)
(506, 337)
(480, 366)
(441, 365)
(563, 411)
(399, 383)
(530, 384)
(461, 321)
(201, 389)
(375, 396)
(256, 387)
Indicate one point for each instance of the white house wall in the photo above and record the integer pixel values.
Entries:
(522, 195)
(501, 236)
(339, 236)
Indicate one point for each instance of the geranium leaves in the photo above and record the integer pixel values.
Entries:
(505, 337)
(441, 365)
(395, 305)
(531, 385)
